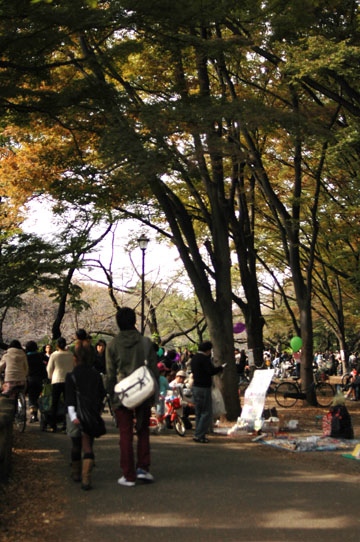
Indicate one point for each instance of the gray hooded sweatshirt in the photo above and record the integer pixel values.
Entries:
(126, 353)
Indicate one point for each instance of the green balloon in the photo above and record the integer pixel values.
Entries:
(296, 343)
(160, 352)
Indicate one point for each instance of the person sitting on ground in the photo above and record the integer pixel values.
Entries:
(90, 385)
(60, 363)
(37, 374)
(178, 383)
(16, 369)
(179, 386)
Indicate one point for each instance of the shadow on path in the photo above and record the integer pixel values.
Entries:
(222, 491)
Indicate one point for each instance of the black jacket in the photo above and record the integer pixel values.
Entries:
(89, 383)
(37, 368)
(202, 370)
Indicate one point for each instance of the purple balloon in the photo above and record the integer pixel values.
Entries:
(239, 327)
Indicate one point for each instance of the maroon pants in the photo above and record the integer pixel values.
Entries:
(125, 420)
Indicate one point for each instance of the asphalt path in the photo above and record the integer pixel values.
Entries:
(227, 490)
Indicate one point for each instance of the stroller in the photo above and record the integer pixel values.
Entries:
(45, 403)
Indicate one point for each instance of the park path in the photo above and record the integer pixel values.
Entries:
(228, 490)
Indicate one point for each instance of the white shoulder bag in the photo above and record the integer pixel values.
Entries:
(134, 389)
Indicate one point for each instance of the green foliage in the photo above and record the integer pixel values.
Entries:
(27, 262)
(205, 107)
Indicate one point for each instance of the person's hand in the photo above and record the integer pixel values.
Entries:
(76, 421)
(224, 365)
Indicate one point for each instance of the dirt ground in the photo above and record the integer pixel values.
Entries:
(35, 489)
(32, 501)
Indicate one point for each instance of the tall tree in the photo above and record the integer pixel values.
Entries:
(209, 109)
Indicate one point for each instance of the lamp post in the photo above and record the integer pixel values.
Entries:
(143, 243)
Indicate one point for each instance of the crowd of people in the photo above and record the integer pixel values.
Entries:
(82, 375)
(289, 362)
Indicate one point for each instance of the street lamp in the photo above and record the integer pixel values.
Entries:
(143, 243)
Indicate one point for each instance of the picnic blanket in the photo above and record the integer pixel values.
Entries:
(314, 443)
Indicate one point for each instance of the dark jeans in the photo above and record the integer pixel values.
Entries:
(34, 389)
(203, 410)
(125, 420)
(57, 390)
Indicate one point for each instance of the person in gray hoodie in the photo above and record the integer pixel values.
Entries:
(126, 353)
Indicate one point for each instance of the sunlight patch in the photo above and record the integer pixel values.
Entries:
(296, 519)
(150, 520)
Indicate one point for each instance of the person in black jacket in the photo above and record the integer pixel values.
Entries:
(84, 384)
(203, 370)
(37, 374)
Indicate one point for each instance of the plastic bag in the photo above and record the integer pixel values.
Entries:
(218, 405)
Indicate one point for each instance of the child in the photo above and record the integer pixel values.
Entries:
(163, 388)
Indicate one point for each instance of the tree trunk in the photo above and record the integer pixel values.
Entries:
(220, 328)
(217, 307)
(254, 326)
(56, 327)
(306, 365)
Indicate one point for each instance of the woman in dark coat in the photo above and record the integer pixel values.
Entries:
(83, 385)
(37, 374)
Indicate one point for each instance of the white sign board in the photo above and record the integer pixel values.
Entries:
(255, 394)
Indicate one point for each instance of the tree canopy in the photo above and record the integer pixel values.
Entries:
(236, 123)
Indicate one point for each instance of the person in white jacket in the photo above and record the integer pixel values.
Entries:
(60, 363)
(16, 367)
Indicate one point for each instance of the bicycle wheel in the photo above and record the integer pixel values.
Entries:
(179, 426)
(324, 394)
(286, 394)
(20, 413)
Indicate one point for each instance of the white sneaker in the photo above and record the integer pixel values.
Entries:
(124, 482)
(144, 475)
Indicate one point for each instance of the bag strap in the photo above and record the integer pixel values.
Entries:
(77, 391)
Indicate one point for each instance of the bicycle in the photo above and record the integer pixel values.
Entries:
(20, 410)
(288, 393)
(157, 423)
(18, 394)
